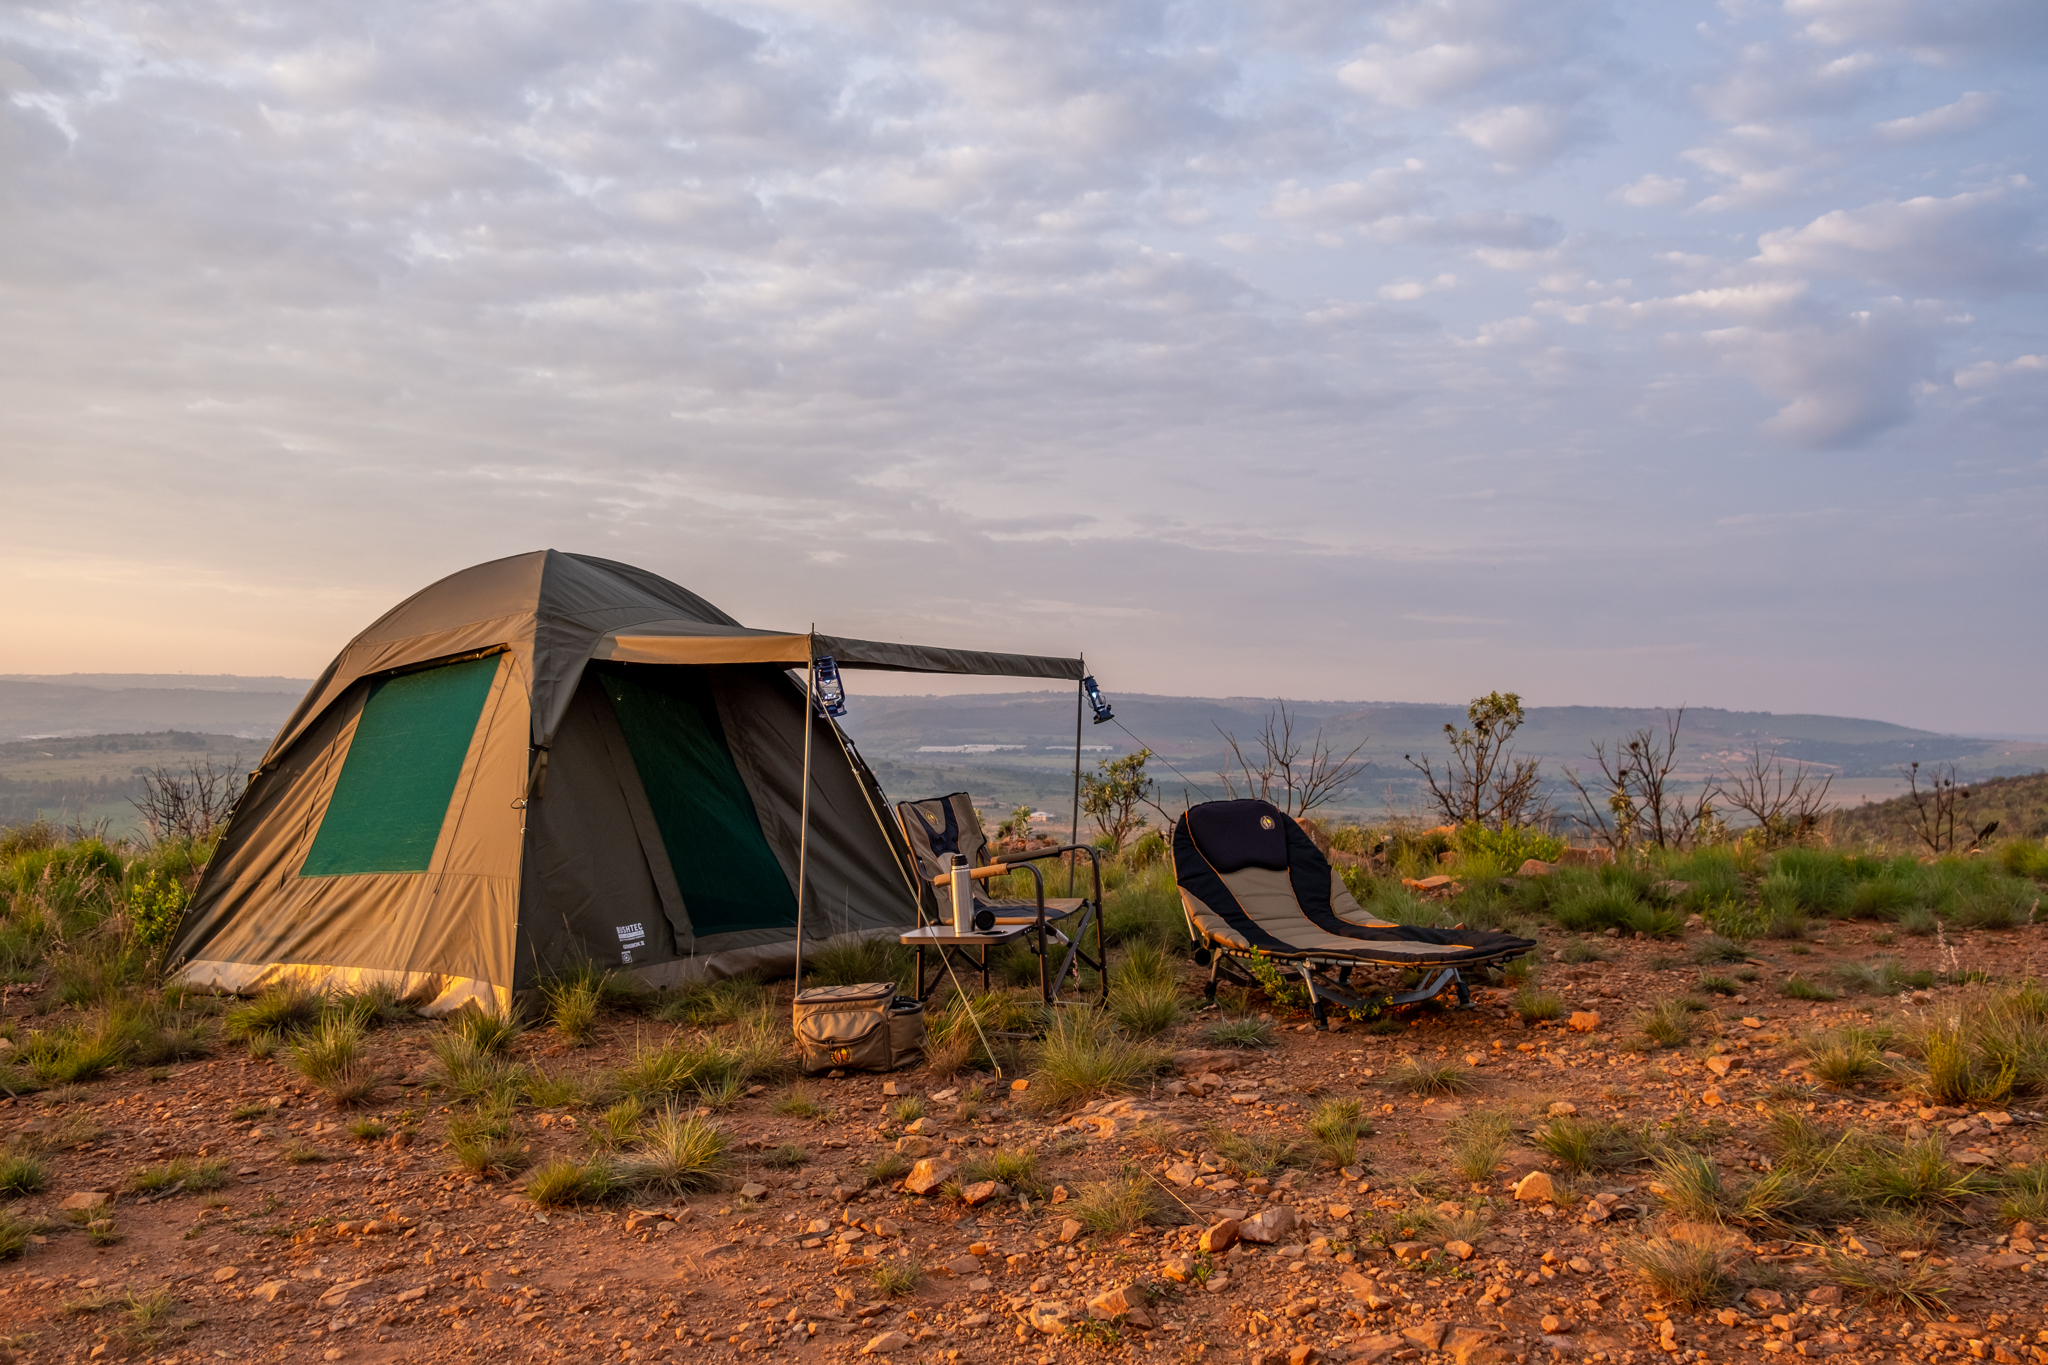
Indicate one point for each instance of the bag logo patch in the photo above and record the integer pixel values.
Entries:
(1265, 822)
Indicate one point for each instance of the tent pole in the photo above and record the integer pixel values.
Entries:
(803, 837)
(1074, 833)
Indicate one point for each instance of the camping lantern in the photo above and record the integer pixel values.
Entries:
(831, 692)
(1095, 700)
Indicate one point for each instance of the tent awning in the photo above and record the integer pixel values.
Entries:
(702, 642)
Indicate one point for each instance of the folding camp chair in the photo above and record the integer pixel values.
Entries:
(1253, 884)
(942, 829)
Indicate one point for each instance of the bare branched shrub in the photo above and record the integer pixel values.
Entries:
(188, 805)
(1293, 773)
(1938, 811)
(1784, 799)
(1632, 800)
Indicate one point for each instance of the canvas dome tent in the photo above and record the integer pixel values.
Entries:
(554, 759)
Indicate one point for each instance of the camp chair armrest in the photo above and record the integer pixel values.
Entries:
(1094, 857)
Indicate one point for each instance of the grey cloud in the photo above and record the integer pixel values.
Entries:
(1981, 241)
(1936, 30)
(1971, 111)
(1840, 385)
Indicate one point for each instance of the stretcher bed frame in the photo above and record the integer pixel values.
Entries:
(1247, 902)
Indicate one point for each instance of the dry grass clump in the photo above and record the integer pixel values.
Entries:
(1111, 1208)
(1582, 1145)
(1240, 1032)
(1535, 1005)
(1421, 1077)
(1681, 1274)
(1337, 1126)
(679, 1153)
(331, 1057)
(1084, 1056)
(1476, 1143)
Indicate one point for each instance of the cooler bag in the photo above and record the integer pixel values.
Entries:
(857, 1028)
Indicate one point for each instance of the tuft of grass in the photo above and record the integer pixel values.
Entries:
(619, 1124)
(1714, 949)
(369, 1130)
(250, 1111)
(1908, 1285)
(21, 1174)
(273, 1015)
(1111, 1208)
(1476, 1142)
(564, 1089)
(1586, 950)
(1255, 1154)
(484, 1031)
(197, 1176)
(1797, 987)
(1420, 1077)
(2024, 1194)
(1843, 1061)
(909, 1109)
(1668, 1023)
(298, 1152)
(1016, 1167)
(721, 1092)
(471, 1072)
(679, 1153)
(1582, 1145)
(14, 1234)
(1241, 1032)
(1084, 1057)
(1691, 1187)
(1337, 1126)
(798, 1104)
(1917, 1175)
(573, 1005)
(564, 1180)
(787, 1157)
(1147, 1007)
(894, 1279)
(331, 1058)
(853, 962)
(1680, 1274)
(889, 1168)
(1534, 1005)
(484, 1145)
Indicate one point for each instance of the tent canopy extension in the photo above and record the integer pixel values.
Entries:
(553, 759)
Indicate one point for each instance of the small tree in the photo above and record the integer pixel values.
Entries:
(1786, 803)
(1018, 826)
(1632, 801)
(1113, 794)
(1294, 774)
(1484, 783)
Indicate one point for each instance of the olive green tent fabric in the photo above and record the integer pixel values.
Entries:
(392, 795)
(728, 878)
(617, 780)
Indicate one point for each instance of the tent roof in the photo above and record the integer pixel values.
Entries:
(560, 610)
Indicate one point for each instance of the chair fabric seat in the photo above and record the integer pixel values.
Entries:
(1252, 880)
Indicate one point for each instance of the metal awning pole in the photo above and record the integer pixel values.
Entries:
(803, 837)
(1074, 833)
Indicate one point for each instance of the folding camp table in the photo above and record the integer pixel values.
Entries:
(950, 945)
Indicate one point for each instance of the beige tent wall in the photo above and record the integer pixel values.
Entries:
(450, 929)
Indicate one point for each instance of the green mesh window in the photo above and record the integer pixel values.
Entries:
(728, 876)
(400, 773)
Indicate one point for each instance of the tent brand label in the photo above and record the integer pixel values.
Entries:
(631, 938)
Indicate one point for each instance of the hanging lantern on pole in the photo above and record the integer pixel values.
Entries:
(1096, 701)
(831, 691)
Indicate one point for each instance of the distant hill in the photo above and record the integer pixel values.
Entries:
(89, 778)
(114, 703)
(1016, 748)
(2018, 804)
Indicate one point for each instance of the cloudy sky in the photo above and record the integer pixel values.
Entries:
(1614, 353)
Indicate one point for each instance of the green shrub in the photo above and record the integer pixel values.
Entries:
(1144, 1007)
(2023, 859)
(155, 905)
(1507, 849)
